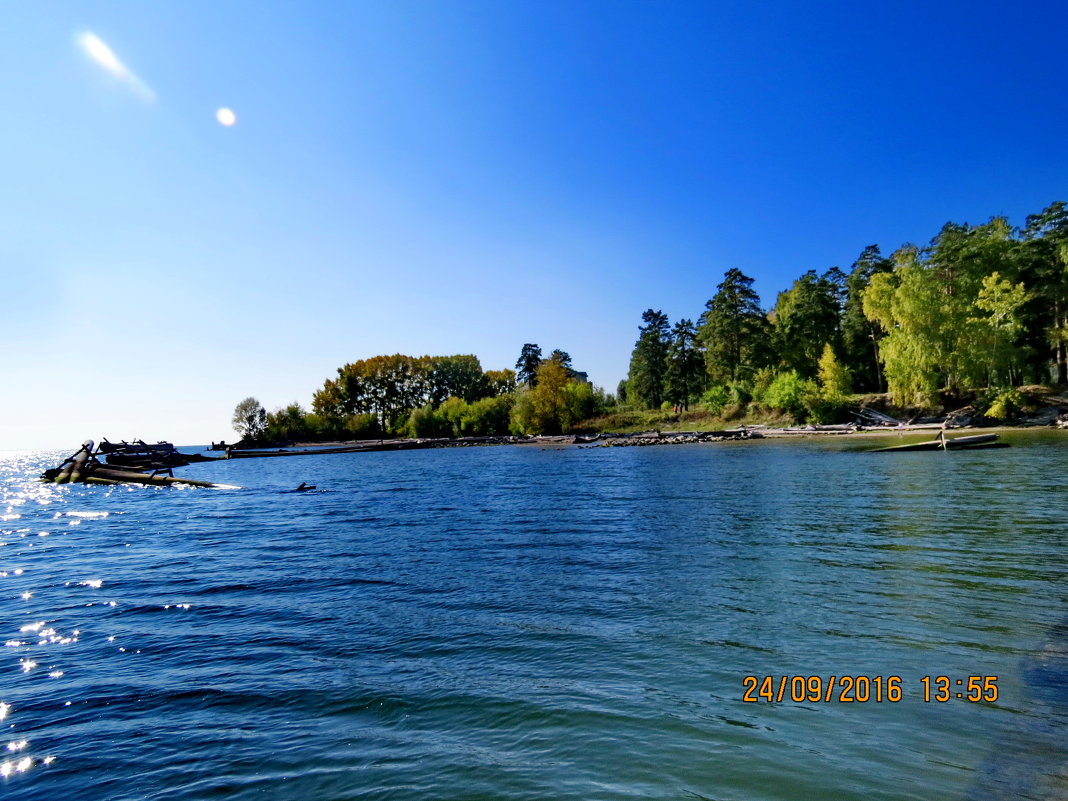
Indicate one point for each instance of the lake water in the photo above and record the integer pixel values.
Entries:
(523, 622)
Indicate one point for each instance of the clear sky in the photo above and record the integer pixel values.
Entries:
(463, 177)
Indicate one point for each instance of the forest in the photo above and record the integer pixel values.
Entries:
(971, 317)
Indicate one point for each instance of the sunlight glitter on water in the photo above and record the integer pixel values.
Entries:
(437, 644)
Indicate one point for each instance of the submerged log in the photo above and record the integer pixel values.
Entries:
(942, 443)
(112, 475)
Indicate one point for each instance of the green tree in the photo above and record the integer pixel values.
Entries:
(928, 307)
(805, 319)
(1002, 324)
(906, 303)
(250, 419)
(562, 357)
(734, 331)
(390, 387)
(787, 393)
(861, 335)
(551, 414)
(555, 404)
(960, 258)
(684, 377)
(486, 417)
(329, 402)
(648, 362)
(1043, 260)
(834, 378)
(500, 382)
(826, 400)
(426, 422)
(288, 424)
(458, 376)
(526, 365)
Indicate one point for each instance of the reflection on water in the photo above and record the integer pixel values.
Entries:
(524, 623)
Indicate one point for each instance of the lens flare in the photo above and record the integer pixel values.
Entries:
(226, 117)
(105, 57)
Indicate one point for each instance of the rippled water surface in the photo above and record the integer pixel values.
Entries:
(538, 623)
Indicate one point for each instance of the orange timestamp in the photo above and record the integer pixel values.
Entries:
(865, 689)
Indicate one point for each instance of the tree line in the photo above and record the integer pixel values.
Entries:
(431, 396)
(977, 312)
(979, 309)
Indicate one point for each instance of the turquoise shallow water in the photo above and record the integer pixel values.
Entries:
(528, 623)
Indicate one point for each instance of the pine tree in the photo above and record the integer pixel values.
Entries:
(684, 377)
(648, 362)
(734, 331)
(1043, 259)
(526, 367)
(806, 318)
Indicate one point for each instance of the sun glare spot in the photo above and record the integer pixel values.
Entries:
(226, 117)
(105, 57)
(102, 54)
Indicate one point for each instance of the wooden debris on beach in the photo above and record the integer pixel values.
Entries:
(843, 428)
(673, 438)
(84, 467)
(871, 417)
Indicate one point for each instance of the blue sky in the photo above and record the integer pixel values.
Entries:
(464, 177)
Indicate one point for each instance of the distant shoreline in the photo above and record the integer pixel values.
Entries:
(744, 433)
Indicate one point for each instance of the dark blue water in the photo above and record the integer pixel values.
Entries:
(528, 623)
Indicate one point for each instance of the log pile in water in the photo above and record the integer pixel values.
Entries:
(142, 456)
(84, 467)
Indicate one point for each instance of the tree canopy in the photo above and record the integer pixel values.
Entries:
(734, 330)
(648, 362)
(526, 366)
(250, 419)
(806, 319)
